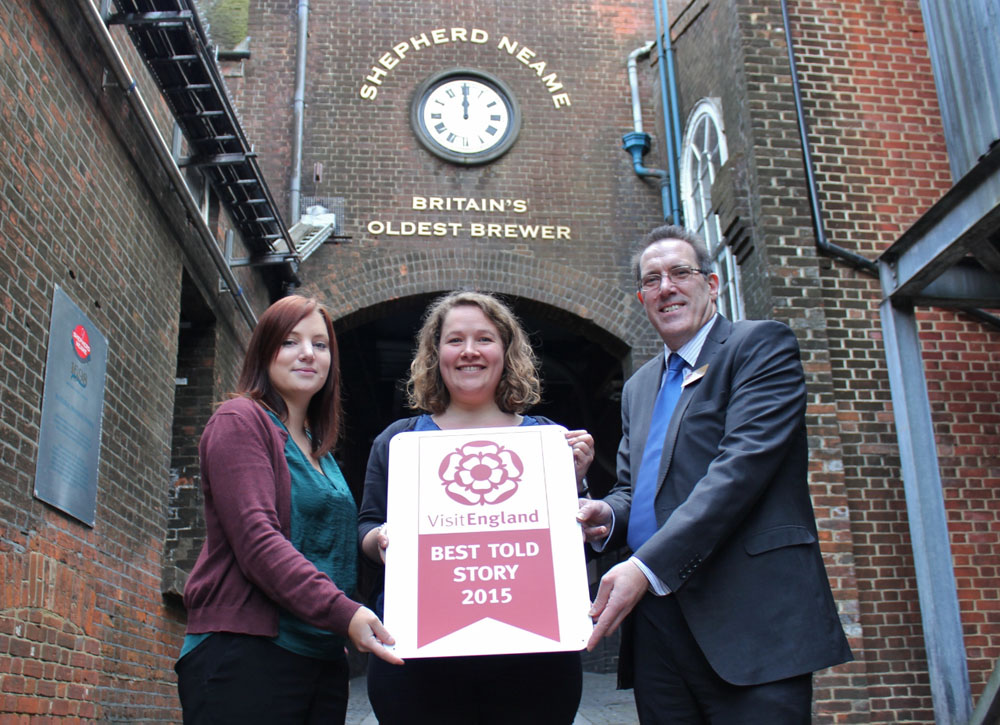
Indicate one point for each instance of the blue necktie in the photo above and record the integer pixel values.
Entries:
(642, 517)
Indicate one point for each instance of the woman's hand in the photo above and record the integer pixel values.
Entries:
(368, 635)
(375, 543)
(582, 444)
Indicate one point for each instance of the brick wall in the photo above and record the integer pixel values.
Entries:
(567, 165)
(881, 162)
(78, 602)
(84, 631)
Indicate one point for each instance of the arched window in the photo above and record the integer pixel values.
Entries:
(703, 154)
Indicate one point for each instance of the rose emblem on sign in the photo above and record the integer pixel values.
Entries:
(481, 472)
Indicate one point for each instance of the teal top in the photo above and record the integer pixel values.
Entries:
(324, 524)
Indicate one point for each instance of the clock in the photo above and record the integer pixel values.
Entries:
(465, 116)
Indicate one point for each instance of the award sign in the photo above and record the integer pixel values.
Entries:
(485, 555)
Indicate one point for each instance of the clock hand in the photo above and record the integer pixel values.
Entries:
(465, 101)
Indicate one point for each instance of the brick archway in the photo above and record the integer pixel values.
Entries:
(400, 274)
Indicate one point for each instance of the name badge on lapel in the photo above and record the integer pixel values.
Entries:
(695, 376)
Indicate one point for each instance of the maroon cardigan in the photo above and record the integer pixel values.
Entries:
(247, 566)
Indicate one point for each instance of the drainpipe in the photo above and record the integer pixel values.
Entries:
(638, 143)
(668, 92)
(633, 82)
(298, 106)
(825, 246)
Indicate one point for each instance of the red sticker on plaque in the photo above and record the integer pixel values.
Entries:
(81, 342)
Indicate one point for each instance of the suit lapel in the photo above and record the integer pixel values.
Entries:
(642, 409)
(716, 339)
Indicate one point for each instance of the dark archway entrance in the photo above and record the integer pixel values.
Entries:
(581, 377)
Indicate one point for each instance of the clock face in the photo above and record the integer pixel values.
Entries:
(466, 117)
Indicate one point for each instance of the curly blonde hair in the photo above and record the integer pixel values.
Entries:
(519, 387)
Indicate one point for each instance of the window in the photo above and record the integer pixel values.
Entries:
(704, 153)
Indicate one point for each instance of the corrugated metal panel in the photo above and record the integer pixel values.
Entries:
(964, 41)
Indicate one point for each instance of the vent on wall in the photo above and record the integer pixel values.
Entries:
(321, 206)
(320, 218)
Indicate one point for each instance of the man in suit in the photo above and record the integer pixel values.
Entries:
(726, 603)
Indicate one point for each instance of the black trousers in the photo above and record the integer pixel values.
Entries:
(521, 689)
(675, 684)
(246, 680)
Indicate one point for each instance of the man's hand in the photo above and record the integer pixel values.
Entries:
(595, 519)
(621, 589)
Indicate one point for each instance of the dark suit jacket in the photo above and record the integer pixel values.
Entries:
(736, 541)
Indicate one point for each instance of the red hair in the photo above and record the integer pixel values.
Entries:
(324, 411)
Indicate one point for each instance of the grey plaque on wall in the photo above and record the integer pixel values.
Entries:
(69, 442)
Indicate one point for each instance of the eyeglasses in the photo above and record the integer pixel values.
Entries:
(677, 275)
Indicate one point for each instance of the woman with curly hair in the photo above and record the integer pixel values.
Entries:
(474, 368)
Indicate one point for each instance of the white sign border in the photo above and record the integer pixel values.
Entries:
(487, 636)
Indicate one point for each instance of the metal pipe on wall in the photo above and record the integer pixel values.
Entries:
(675, 116)
(824, 245)
(855, 260)
(668, 92)
(637, 143)
(633, 83)
(298, 110)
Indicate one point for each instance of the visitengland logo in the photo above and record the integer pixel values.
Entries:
(480, 473)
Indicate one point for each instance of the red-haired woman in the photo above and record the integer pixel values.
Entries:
(268, 599)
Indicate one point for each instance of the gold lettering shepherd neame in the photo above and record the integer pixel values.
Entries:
(522, 53)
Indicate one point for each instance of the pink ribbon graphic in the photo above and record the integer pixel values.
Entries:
(504, 575)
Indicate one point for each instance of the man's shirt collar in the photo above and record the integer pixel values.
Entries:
(691, 349)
